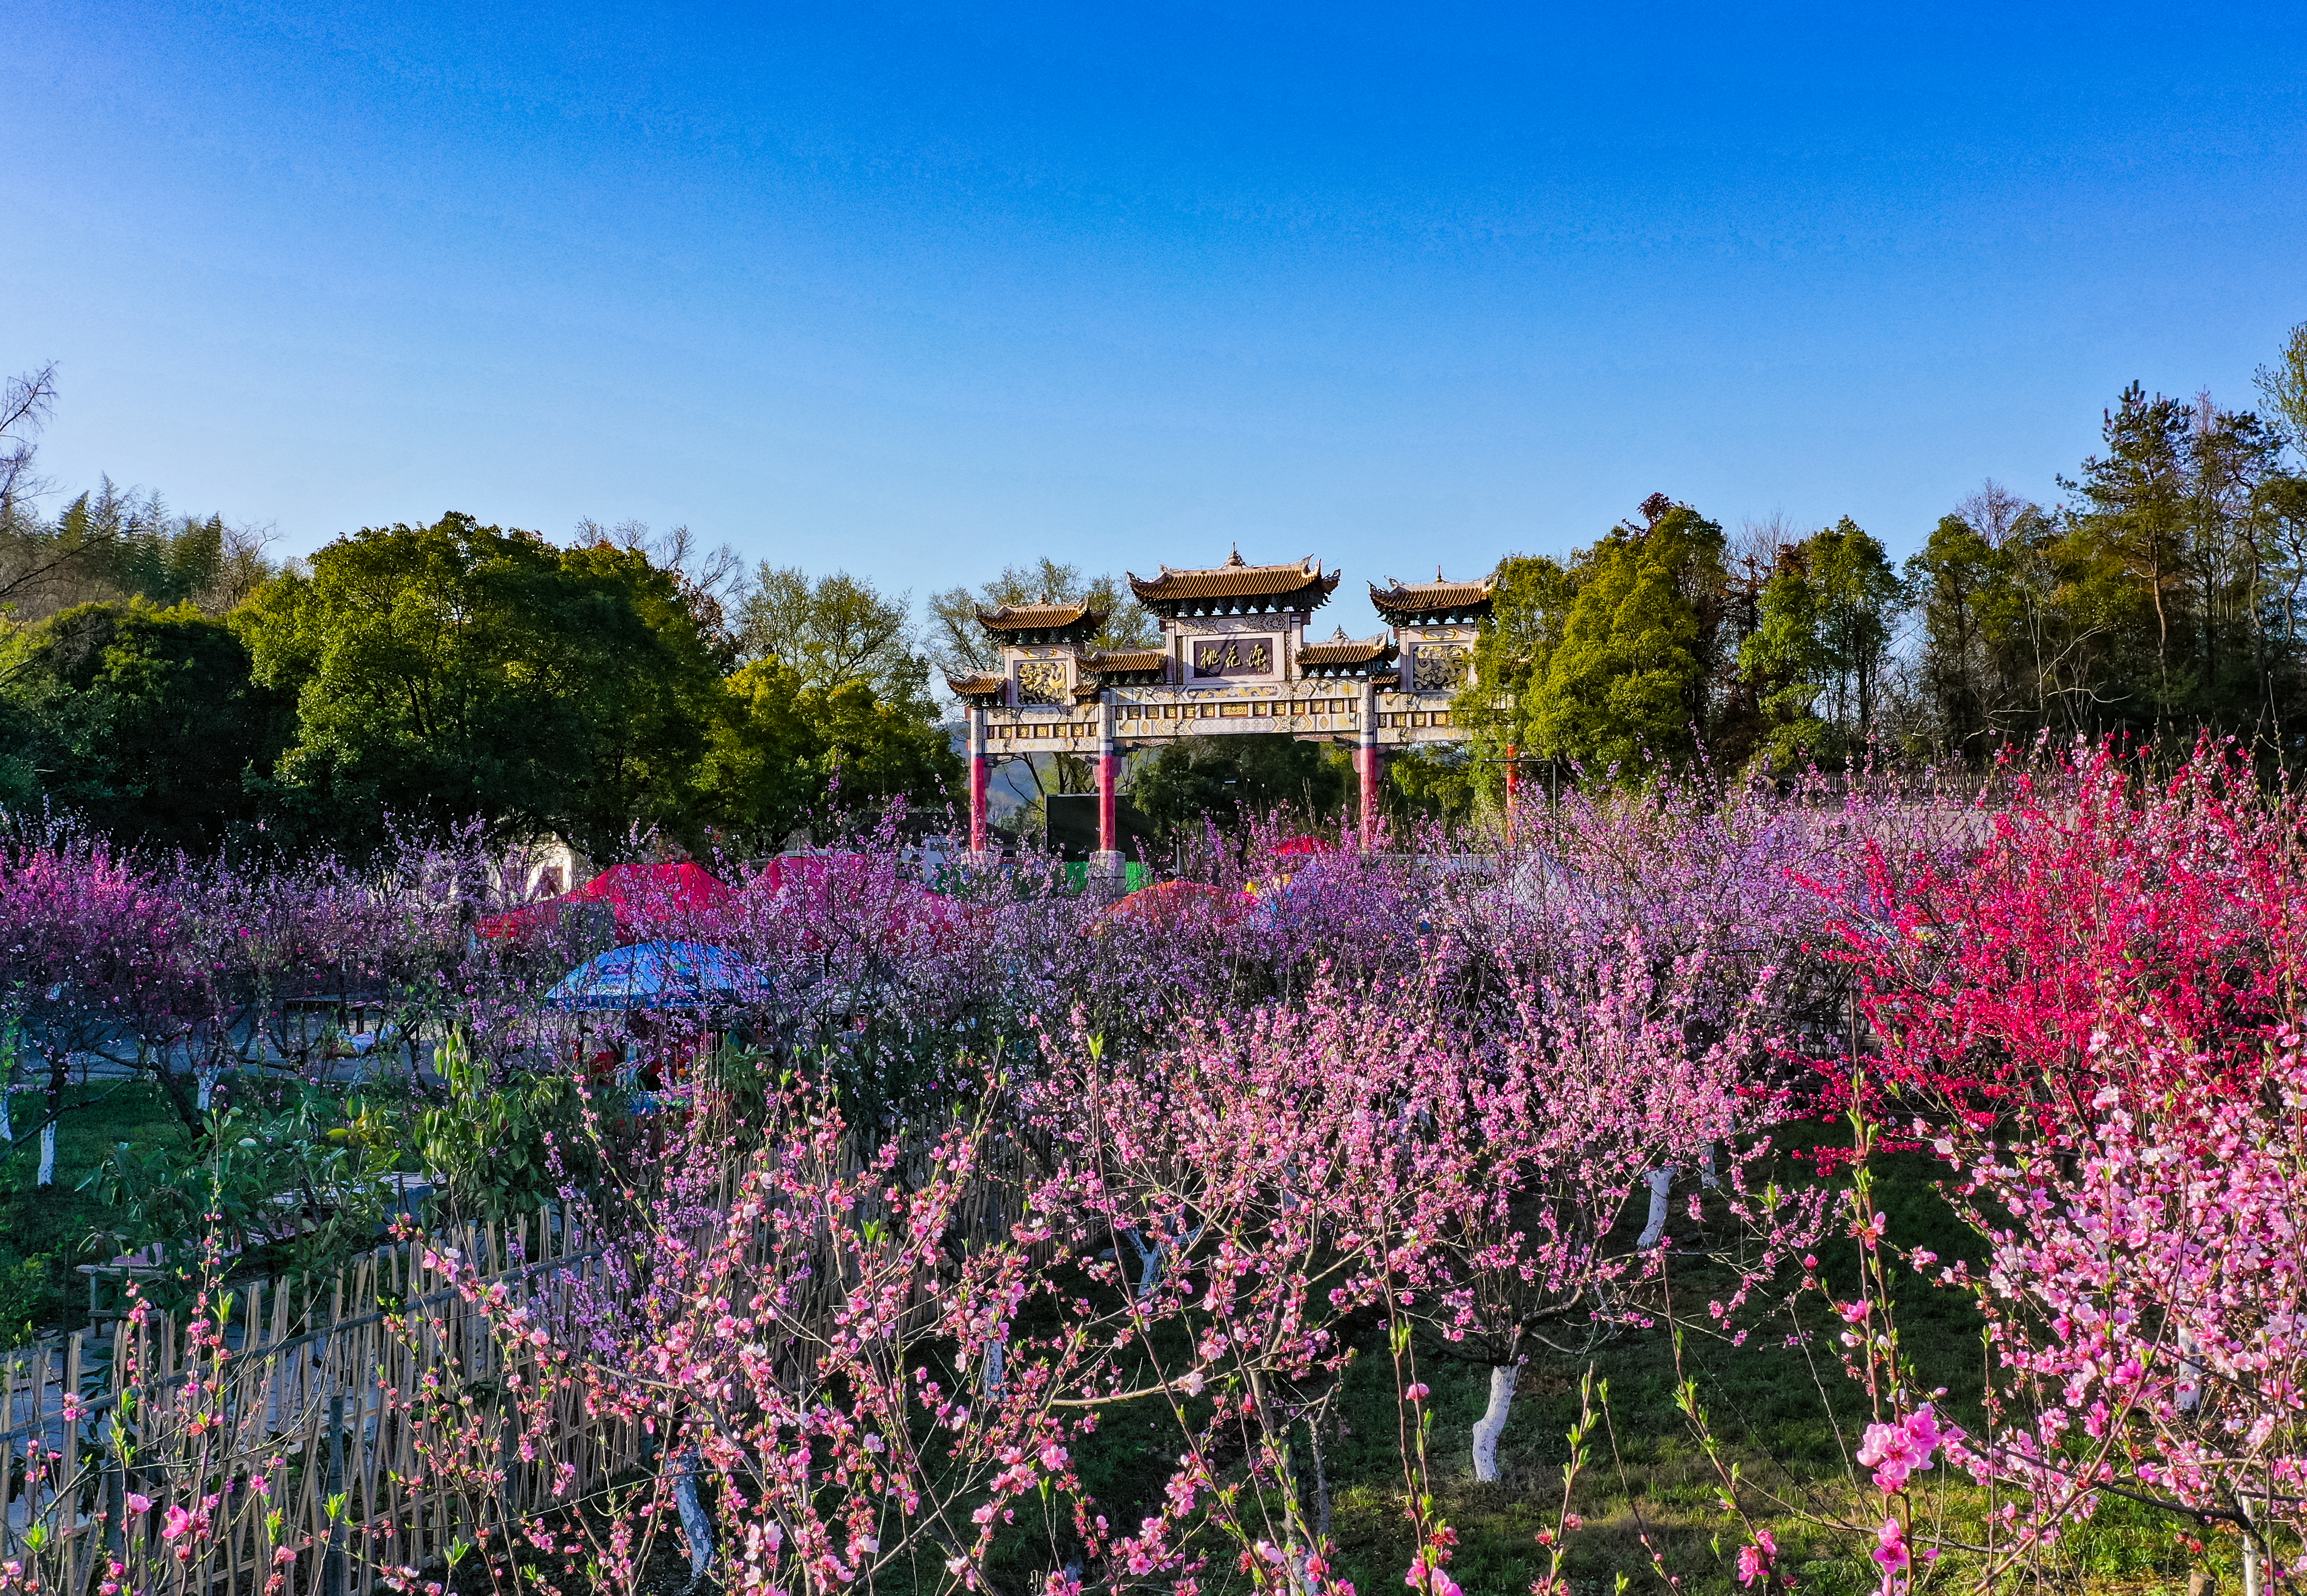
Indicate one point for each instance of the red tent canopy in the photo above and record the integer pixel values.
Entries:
(640, 896)
(1289, 847)
(1168, 905)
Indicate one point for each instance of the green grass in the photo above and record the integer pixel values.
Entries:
(1649, 1487)
(45, 1230)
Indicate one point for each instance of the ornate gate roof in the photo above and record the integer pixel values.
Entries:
(1235, 589)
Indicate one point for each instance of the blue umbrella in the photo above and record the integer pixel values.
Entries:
(659, 975)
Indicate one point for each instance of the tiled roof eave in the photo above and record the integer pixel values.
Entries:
(1227, 587)
(1433, 604)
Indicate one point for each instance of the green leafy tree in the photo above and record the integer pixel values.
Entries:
(787, 755)
(20, 740)
(1962, 578)
(1633, 680)
(1530, 602)
(457, 669)
(710, 582)
(145, 721)
(2010, 643)
(759, 780)
(834, 630)
(1820, 652)
(1785, 662)
(1433, 783)
(872, 750)
(2284, 384)
(1227, 780)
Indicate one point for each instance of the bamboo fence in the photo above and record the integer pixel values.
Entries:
(292, 1444)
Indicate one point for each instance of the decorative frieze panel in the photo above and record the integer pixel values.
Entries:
(1416, 718)
(1024, 731)
(1199, 715)
(1041, 682)
(1438, 667)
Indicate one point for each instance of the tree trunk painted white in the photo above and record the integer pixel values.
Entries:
(1662, 1184)
(696, 1523)
(1492, 1424)
(2254, 1579)
(206, 1075)
(48, 1153)
(1154, 1258)
(2188, 1389)
(7, 1119)
(996, 1357)
(1149, 1263)
(1706, 1174)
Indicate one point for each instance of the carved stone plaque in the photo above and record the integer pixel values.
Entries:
(1041, 682)
(1438, 667)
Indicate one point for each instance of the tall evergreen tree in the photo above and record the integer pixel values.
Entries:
(1633, 679)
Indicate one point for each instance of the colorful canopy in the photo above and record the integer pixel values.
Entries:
(659, 975)
(640, 896)
(1169, 904)
(1289, 847)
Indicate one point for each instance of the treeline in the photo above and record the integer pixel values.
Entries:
(162, 677)
(411, 678)
(2162, 594)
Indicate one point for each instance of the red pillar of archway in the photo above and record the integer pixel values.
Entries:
(1513, 783)
(1109, 778)
(1108, 826)
(1368, 768)
(980, 780)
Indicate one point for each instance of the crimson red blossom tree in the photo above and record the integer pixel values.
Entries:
(2100, 1016)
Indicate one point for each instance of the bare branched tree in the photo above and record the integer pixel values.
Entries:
(1994, 512)
(833, 629)
(24, 407)
(712, 581)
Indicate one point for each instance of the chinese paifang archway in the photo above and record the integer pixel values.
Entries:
(1234, 658)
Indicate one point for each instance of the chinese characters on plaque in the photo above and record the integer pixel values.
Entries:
(1233, 657)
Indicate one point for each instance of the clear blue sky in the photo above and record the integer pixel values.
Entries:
(913, 292)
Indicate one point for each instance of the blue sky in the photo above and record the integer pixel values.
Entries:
(916, 292)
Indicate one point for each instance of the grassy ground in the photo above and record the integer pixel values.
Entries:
(1648, 1490)
(45, 1230)
(1649, 1487)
